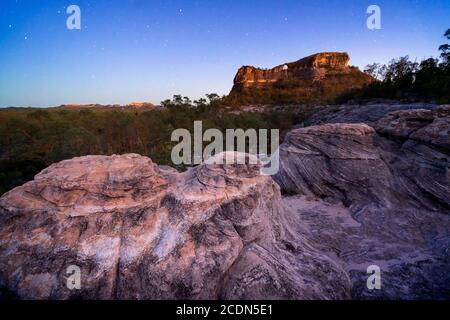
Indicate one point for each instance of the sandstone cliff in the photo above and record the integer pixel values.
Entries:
(318, 78)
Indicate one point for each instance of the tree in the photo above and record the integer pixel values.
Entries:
(200, 102)
(373, 70)
(177, 99)
(186, 101)
(212, 97)
(166, 103)
(445, 52)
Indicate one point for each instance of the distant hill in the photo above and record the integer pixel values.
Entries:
(137, 104)
(134, 105)
(319, 78)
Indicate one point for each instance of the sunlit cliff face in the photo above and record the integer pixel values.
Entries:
(310, 68)
(319, 78)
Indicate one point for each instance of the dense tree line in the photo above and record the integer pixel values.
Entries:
(428, 80)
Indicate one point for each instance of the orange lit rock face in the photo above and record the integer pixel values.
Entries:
(137, 104)
(318, 78)
(313, 67)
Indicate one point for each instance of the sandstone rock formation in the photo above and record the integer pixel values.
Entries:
(318, 78)
(139, 231)
(377, 196)
(356, 194)
(141, 105)
(368, 113)
(311, 68)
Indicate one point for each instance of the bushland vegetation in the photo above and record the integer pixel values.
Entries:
(404, 79)
(32, 139)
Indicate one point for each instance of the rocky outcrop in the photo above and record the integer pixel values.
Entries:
(302, 81)
(337, 162)
(356, 195)
(403, 160)
(141, 105)
(409, 245)
(310, 68)
(368, 113)
(429, 127)
(139, 231)
(377, 196)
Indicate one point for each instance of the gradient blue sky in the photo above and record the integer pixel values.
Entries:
(138, 50)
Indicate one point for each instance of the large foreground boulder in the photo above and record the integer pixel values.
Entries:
(139, 231)
(358, 195)
(402, 161)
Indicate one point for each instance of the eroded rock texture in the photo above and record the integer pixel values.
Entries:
(314, 67)
(320, 77)
(138, 231)
(368, 113)
(377, 196)
(359, 194)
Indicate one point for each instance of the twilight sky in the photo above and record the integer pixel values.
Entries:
(148, 50)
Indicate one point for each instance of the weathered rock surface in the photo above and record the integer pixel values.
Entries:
(404, 159)
(320, 77)
(313, 68)
(381, 198)
(373, 193)
(138, 231)
(410, 246)
(368, 113)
